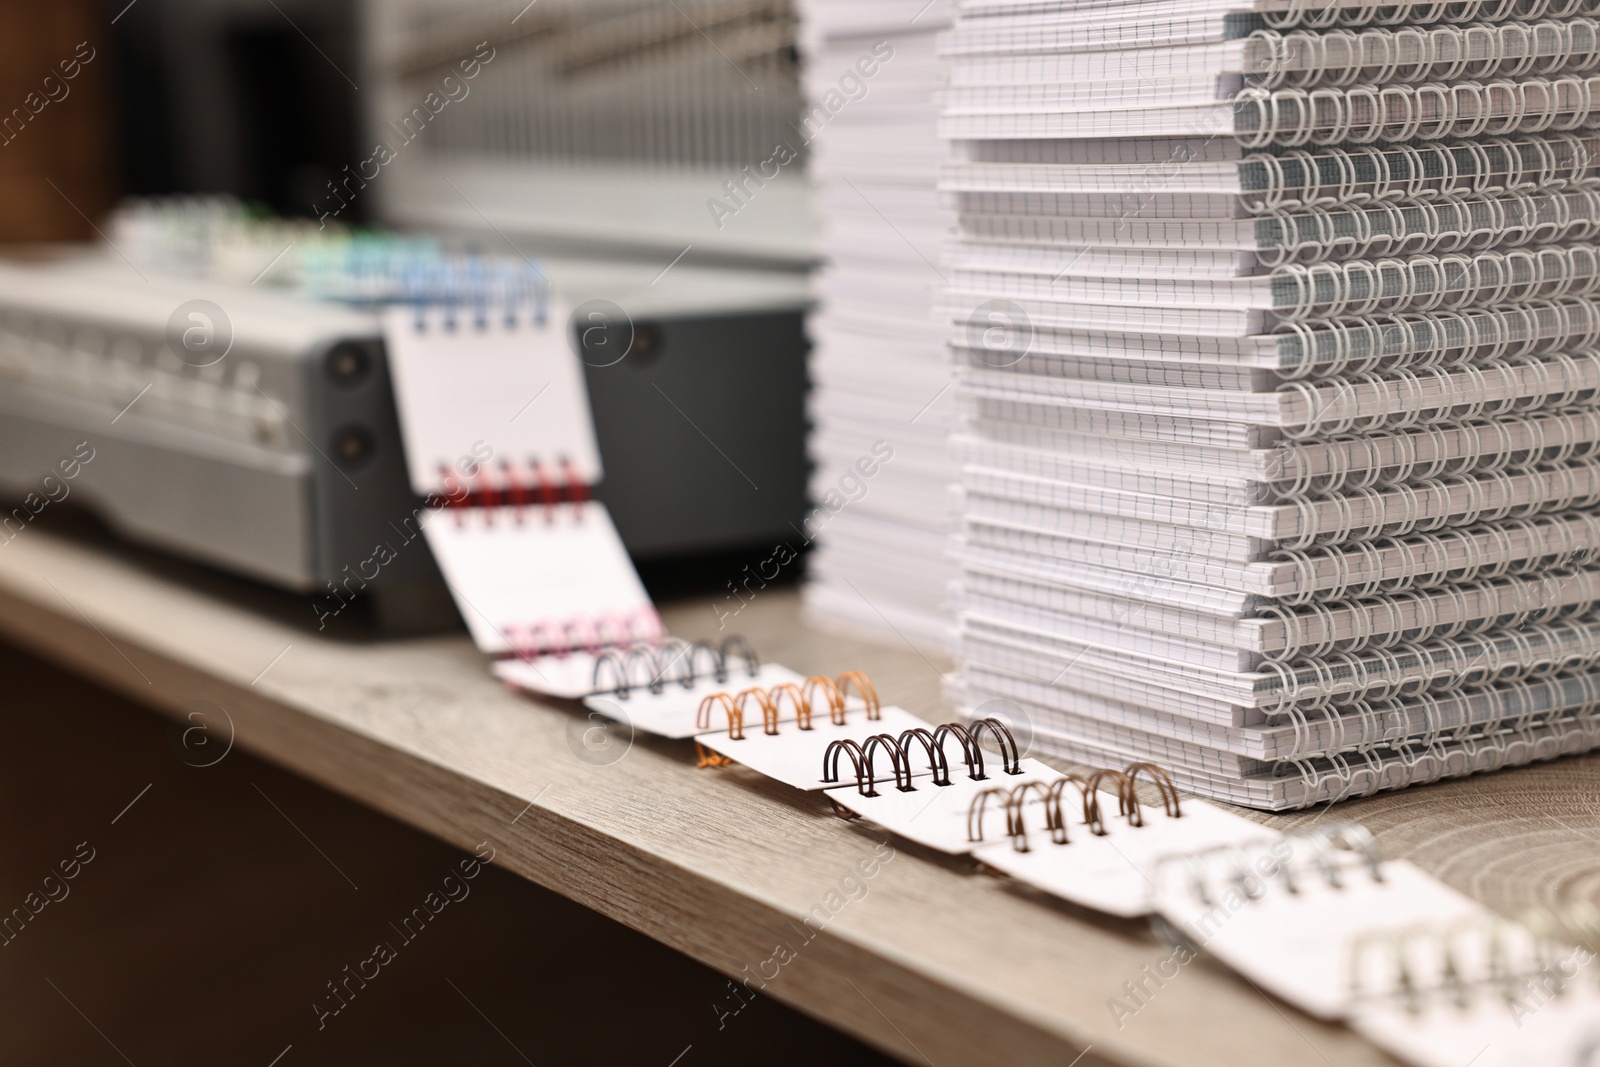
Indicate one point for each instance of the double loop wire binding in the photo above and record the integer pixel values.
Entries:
(1320, 348)
(1362, 114)
(561, 637)
(1298, 860)
(674, 661)
(1013, 800)
(1446, 223)
(1303, 292)
(1463, 553)
(1384, 620)
(1361, 726)
(1398, 398)
(1340, 57)
(1437, 449)
(1523, 740)
(902, 751)
(832, 692)
(1411, 668)
(1319, 14)
(531, 485)
(1273, 181)
(1458, 963)
(1427, 505)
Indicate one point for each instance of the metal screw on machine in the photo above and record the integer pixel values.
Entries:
(347, 364)
(352, 446)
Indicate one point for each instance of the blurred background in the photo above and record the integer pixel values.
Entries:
(664, 164)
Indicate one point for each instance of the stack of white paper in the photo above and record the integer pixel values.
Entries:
(881, 404)
(1278, 351)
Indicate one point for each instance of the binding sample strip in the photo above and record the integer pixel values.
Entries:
(499, 440)
(1276, 335)
(1323, 921)
(795, 740)
(1075, 847)
(926, 783)
(1440, 994)
(662, 690)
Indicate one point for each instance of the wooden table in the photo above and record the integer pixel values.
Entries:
(929, 958)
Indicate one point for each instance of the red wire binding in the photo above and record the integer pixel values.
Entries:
(488, 493)
(577, 489)
(521, 495)
(549, 494)
(509, 489)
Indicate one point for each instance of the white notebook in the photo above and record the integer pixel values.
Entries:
(1274, 335)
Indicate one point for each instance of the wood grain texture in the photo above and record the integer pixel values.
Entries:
(929, 958)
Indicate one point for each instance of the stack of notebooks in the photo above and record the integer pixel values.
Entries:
(881, 399)
(1277, 329)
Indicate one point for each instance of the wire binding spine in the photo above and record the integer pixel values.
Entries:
(1312, 14)
(1363, 726)
(1012, 801)
(1337, 776)
(1313, 856)
(1362, 114)
(1293, 178)
(1455, 964)
(1304, 292)
(525, 486)
(816, 693)
(1384, 620)
(1448, 222)
(1367, 402)
(1422, 560)
(1448, 447)
(596, 635)
(1322, 347)
(673, 662)
(901, 754)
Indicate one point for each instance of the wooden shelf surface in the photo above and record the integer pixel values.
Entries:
(929, 958)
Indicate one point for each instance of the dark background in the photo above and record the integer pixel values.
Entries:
(206, 924)
(183, 96)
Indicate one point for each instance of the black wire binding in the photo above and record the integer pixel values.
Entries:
(932, 748)
(862, 757)
(1003, 740)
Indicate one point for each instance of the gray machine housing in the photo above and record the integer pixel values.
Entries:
(282, 461)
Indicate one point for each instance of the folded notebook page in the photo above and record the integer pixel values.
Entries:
(500, 441)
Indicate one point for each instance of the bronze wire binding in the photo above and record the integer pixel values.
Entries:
(1128, 800)
(1015, 798)
(770, 701)
(1123, 783)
